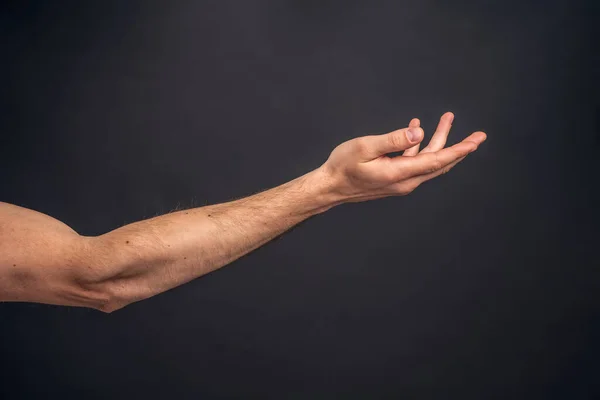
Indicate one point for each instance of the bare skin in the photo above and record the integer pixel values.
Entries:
(43, 260)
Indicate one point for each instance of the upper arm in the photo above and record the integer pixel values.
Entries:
(43, 260)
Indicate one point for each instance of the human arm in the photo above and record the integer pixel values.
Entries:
(43, 260)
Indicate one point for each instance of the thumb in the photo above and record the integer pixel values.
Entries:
(397, 140)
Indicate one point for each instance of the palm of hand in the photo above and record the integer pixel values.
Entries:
(363, 171)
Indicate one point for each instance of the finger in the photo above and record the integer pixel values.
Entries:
(424, 178)
(374, 146)
(408, 185)
(413, 151)
(438, 140)
(426, 163)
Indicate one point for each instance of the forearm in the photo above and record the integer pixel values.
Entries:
(148, 257)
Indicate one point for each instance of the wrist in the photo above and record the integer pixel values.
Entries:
(319, 187)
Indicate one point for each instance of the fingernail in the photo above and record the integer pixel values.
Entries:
(413, 134)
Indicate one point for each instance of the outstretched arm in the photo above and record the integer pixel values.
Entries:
(43, 260)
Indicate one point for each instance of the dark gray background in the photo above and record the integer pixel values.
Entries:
(483, 284)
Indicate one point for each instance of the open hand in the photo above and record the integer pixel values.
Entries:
(362, 170)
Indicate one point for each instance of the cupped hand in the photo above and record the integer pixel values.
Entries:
(362, 170)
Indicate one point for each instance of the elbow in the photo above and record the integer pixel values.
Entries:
(107, 301)
(109, 306)
(78, 271)
(98, 296)
(99, 285)
(103, 297)
(118, 294)
(107, 295)
(106, 277)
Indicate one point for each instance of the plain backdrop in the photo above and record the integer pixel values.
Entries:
(482, 284)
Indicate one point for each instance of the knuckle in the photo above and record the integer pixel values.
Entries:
(360, 145)
(396, 140)
(436, 164)
(447, 169)
(389, 175)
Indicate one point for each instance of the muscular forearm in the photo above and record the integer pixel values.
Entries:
(142, 259)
